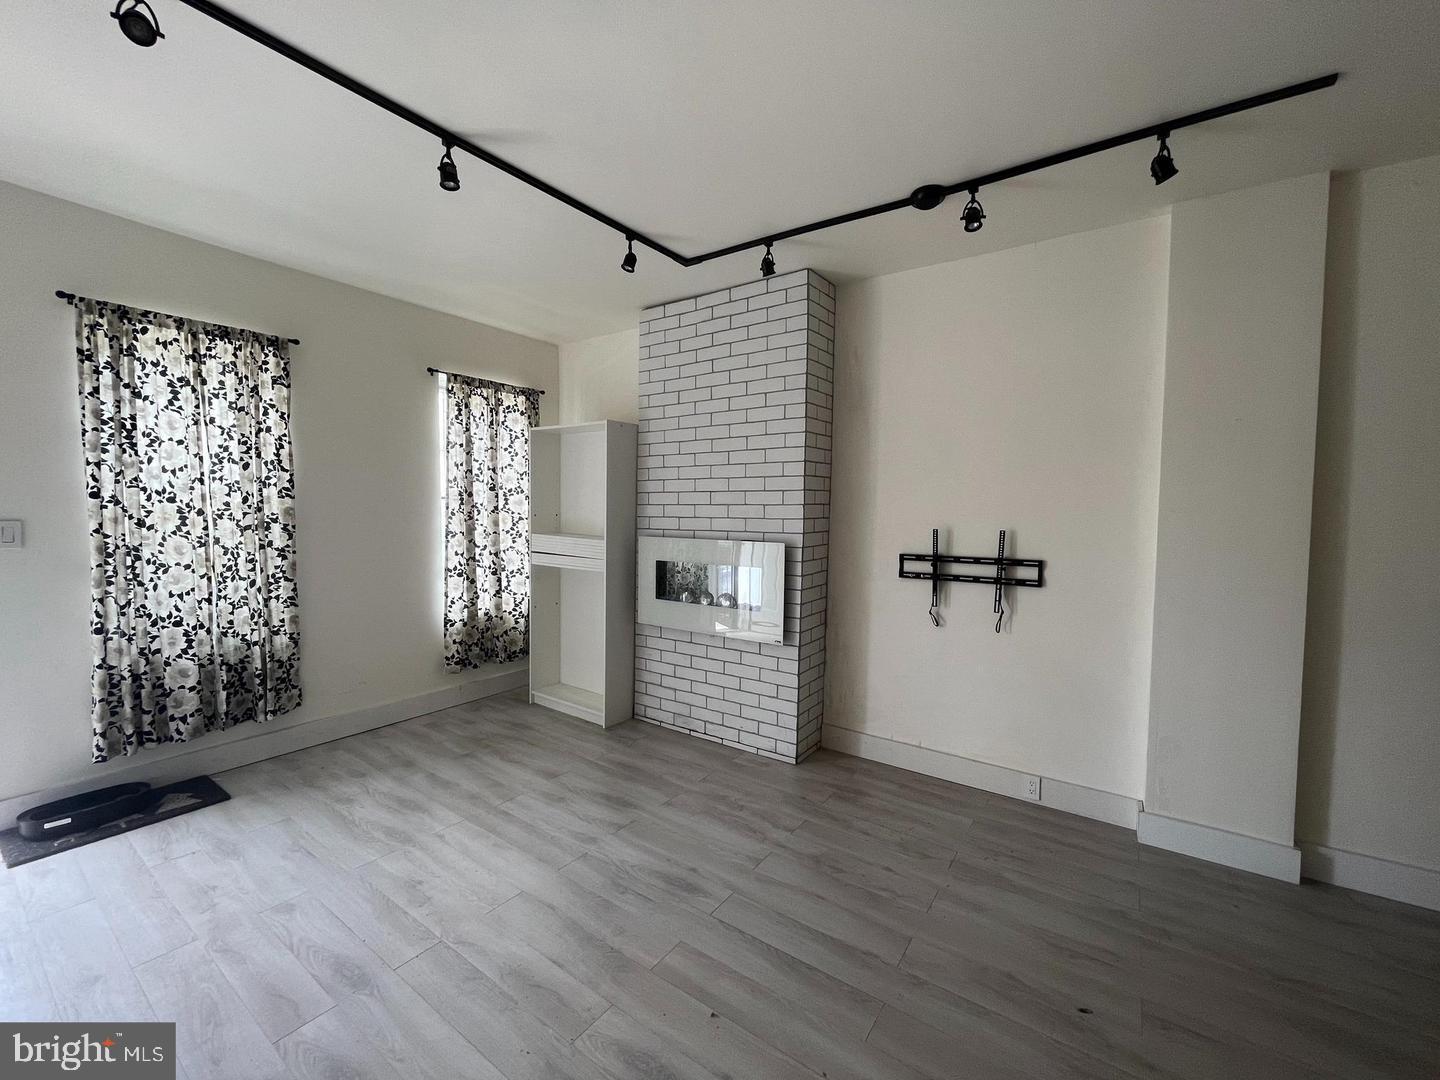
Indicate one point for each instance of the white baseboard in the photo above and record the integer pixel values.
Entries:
(1408, 884)
(267, 742)
(1056, 794)
(1264, 857)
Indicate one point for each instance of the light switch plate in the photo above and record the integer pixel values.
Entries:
(12, 534)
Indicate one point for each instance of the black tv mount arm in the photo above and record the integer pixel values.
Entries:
(1000, 579)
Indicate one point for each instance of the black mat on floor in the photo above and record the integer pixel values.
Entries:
(172, 800)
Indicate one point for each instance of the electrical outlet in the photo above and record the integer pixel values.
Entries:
(12, 534)
(1032, 788)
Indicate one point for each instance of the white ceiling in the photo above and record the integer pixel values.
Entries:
(701, 123)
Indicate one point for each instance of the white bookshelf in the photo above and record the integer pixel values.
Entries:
(582, 567)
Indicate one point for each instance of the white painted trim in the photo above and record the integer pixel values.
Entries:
(1056, 794)
(272, 742)
(1206, 842)
(1418, 885)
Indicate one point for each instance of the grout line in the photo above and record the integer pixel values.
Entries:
(667, 955)
(874, 1021)
(900, 960)
(561, 868)
(612, 1008)
(333, 1006)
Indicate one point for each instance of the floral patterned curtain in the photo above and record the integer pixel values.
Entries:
(487, 520)
(186, 429)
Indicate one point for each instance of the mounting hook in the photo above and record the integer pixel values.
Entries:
(1000, 583)
(935, 577)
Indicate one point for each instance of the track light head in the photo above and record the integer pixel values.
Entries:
(137, 22)
(974, 213)
(1162, 165)
(628, 263)
(449, 174)
(767, 264)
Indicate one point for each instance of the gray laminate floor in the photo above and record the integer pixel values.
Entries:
(497, 891)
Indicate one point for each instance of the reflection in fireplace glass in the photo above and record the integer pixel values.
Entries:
(718, 584)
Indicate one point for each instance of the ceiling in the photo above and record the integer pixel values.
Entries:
(700, 123)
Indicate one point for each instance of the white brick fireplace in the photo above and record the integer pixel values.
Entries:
(735, 424)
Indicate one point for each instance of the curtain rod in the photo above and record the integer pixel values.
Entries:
(926, 197)
(476, 378)
(70, 298)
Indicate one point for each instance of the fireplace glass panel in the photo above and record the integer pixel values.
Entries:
(729, 588)
(719, 584)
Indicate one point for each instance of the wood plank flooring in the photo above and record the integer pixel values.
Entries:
(500, 892)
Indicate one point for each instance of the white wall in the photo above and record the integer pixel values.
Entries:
(600, 379)
(1016, 390)
(1370, 734)
(1241, 370)
(366, 451)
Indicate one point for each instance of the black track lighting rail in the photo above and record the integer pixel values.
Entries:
(424, 123)
(927, 197)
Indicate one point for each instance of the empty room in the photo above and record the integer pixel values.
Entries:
(644, 539)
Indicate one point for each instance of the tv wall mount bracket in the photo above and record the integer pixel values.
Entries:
(1000, 578)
